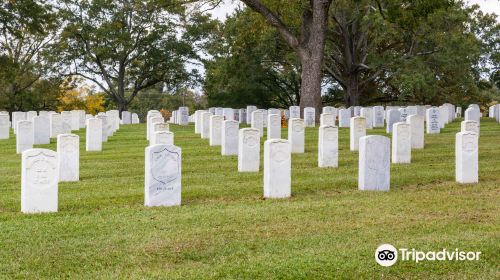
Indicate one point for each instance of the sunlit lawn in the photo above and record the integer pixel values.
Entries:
(224, 229)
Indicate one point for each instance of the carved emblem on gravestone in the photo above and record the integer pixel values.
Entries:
(469, 144)
(165, 166)
(251, 139)
(279, 153)
(298, 127)
(41, 171)
(231, 129)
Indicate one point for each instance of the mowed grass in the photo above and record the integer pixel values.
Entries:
(225, 229)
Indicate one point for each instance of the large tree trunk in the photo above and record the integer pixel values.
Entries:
(351, 94)
(310, 89)
(309, 45)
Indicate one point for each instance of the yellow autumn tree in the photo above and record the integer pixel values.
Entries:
(81, 98)
(94, 103)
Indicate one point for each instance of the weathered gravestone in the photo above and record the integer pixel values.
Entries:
(443, 116)
(41, 129)
(93, 137)
(152, 120)
(357, 130)
(205, 125)
(393, 116)
(55, 125)
(327, 119)
(215, 130)
(75, 120)
(162, 138)
(378, 116)
(470, 126)
(432, 119)
(39, 180)
(66, 121)
(30, 115)
(296, 135)
(248, 150)
(250, 110)
(82, 118)
(274, 126)
(4, 126)
(328, 146)
(258, 121)
(401, 143)
(68, 152)
(367, 113)
(243, 115)
(105, 127)
(374, 163)
(310, 117)
(330, 110)
(162, 184)
(197, 121)
(466, 157)
(294, 112)
(17, 116)
(472, 114)
(24, 136)
(157, 127)
(404, 114)
(183, 116)
(126, 117)
(264, 119)
(236, 114)
(229, 140)
(135, 118)
(277, 168)
(416, 123)
(357, 111)
(344, 117)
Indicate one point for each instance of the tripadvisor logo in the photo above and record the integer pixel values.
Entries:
(387, 255)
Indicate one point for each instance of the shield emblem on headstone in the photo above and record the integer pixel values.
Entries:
(165, 166)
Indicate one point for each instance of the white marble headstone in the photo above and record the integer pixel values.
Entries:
(4, 126)
(466, 157)
(24, 137)
(215, 130)
(296, 135)
(374, 163)
(401, 143)
(248, 150)
(229, 140)
(93, 138)
(68, 152)
(41, 129)
(258, 121)
(417, 129)
(162, 138)
(432, 120)
(274, 126)
(328, 146)
(393, 116)
(277, 168)
(39, 181)
(327, 119)
(162, 185)
(357, 130)
(310, 117)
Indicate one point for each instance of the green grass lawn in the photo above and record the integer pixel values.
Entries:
(225, 229)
